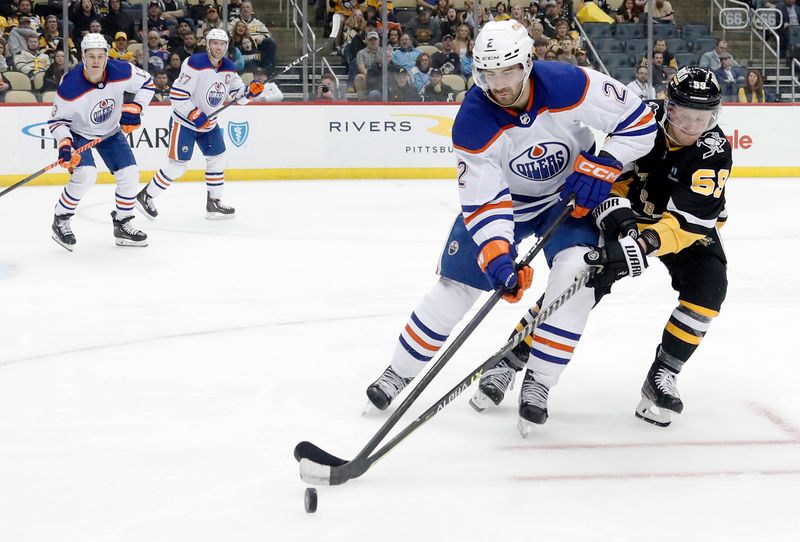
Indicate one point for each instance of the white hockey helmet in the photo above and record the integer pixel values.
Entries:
(501, 44)
(93, 41)
(217, 34)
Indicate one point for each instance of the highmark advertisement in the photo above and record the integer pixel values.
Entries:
(342, 141)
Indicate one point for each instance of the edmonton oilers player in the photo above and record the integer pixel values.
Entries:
(205, 81)
(89, 104)
(520, 143)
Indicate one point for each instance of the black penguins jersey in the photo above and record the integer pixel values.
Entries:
(679, 191)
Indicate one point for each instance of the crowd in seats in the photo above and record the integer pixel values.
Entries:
(32, 40)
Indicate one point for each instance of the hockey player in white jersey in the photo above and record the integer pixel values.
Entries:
(90, 103)
(522, 148)
(205, 81)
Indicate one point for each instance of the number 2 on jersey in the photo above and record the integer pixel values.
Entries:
(708, 182)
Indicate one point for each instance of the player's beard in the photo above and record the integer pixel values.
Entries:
(508, 96)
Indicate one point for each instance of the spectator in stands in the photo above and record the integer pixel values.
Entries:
(500, 13)
(18, 36)
(466, 63)
(4, 87)
(173, 68)
(176, 38)
(210, 21)
(467, 16)
(369, 63)
(199, 11)
(400, 88)
(446, 59)
(327, 89)
(567, 51)
(662, 11)
(155, 21)
(729, 77)
(83, 13)
(3, 61)
(533, 11)
(138, 59)
(463, 41)
(535, 30)
(340, 11)
(427, 4)
(377, 5)
(30, 61)
(424, 22)
(234, 54)
(550, 55)
(421, 73)
(117, 20)
(234, 9)
(548, 18)
(51, 40)
(450, 23)
(261, 35)
(518, 14)
(436, 90)
(355, 32)
(161, 82)
(628, 12)
(189, 46)
(250, 55)
(661, 73)
(711, 59)
(640, 87)
(54, 72)
(660, 46)
(562, 32)
(540, 47)
(25, 9)
(565, 9)
(440, 11)
(753, 89)
(583, 59)
(158, 55)
(173, 10)
(393, 38)
(791, 17)
(405, 56)
(119, 49)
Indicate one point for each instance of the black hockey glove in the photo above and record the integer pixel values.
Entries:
(616, 260)
(615, 218)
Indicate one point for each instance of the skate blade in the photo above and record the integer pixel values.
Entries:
(524, 427)
(219, 216)
(480, 401)
(69, 248)
(648, 411)
(144, 213)
(129, 243)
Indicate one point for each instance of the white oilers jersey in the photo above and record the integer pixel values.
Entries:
(512, 165)
(203, 86)
(92, 110)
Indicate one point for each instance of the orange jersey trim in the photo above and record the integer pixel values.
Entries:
(488, 207)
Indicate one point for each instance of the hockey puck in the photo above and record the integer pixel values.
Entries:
(311, 500)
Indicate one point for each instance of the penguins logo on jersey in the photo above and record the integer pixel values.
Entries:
(215, 94)
(713, 142)
(541, 162)
(102, 111)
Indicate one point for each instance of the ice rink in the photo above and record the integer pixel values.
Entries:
(156, 394)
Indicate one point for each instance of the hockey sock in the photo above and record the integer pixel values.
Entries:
(215, 175)
(684, 331)
(430, 324)
(80, 182)
(127, 185)
(164, 178)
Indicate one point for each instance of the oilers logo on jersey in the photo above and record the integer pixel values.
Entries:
(216, 94)
(102, 110)
(541, 162)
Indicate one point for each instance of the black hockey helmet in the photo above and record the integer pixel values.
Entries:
(695, 88)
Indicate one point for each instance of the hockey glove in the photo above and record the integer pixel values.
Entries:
(131, 117)
(199, 119)
(496, 261)
(590, 182)
(254, 89)
(67, 155)
(616, 260)
(615, 218)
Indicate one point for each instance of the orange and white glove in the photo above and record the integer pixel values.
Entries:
(67, 155)
(200, 119)
(496, 260)
(131, 117)
(254, 89)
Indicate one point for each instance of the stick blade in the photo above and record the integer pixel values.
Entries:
(307, 450)
(314, 473)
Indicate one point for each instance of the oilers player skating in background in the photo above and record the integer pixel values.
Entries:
(205, 81)
(522, 149)
(89, 104)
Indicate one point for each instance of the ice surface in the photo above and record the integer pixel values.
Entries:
(156, 394)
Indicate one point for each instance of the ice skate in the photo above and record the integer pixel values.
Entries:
(532, 404)
(62, 232)
(660, 398)
(382, 392)
(146, 204)
(493, 386)
(216, 210)
(126, 234)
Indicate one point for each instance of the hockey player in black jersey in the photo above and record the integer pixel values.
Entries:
(668, 205)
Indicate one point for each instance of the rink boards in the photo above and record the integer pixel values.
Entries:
(346, 141)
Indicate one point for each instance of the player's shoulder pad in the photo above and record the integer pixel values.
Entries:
(558, 86)
(74, 84)
(118, 70)
(478, 123)
(199, 61)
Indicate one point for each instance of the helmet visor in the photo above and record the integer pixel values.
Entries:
(692, 122)
(500, 81)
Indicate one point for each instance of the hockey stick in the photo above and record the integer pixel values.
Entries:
(288, 67)
(94, 142)
(319, 467)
